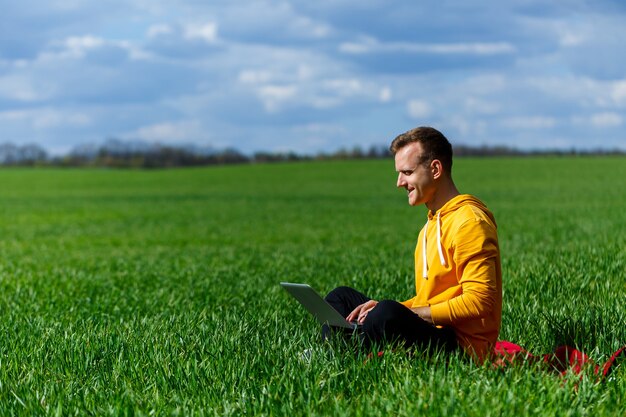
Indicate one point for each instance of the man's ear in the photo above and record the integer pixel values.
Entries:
(436, 168)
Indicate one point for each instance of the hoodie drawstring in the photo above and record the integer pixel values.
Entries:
(424, 263)
(442, 259)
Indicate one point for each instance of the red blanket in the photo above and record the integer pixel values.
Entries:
(563, 360)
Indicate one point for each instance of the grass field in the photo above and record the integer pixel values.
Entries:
(156, 292)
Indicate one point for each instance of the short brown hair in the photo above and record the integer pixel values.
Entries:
(434, 144)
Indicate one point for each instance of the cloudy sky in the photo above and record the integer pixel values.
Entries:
(312, 76)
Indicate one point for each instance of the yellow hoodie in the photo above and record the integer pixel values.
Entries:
(458, 273)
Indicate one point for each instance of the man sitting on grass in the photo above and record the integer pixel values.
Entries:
(458, 279)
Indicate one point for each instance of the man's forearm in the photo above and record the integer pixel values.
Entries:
(424, 313)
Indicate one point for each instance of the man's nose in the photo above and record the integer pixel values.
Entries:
(401, 181)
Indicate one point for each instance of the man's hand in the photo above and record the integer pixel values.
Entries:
(359, 313)
(424, 313)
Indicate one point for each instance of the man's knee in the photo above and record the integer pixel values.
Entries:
(338, 293)
(341, 290)
(385, 311)
(380, 322)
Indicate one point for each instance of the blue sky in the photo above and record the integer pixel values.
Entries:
(313, 76)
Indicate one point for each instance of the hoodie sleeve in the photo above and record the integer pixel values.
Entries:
(475, 254)
(408, 303)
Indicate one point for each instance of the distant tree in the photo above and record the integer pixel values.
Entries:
(8, 154)
(378, 151)
(357, 153)
(84, 152)
(120, 153)
(29, 154)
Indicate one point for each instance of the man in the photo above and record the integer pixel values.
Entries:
(458, 278)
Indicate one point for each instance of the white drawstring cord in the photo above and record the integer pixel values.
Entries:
(424, 261)
(442, 258)
(439, 248)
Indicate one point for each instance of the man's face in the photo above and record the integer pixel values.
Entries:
(414, 175)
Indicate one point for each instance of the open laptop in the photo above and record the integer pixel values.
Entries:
(317, 306)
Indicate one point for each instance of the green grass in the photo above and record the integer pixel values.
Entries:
(155, 292)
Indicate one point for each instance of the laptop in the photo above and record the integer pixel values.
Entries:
(317, 306)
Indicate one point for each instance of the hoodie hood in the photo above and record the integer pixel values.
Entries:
(459, 201)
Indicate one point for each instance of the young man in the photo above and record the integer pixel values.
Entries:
(458, 278)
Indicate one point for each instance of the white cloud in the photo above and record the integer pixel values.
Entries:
(79, 44)
(265, 75)
(370, 45)
(274, 96)
(482, 84)
(481, 106)
(77, 47)
(319, 128)
(305, 72)
(607, 119)
(324, 102)
(343, 87)
(46, 118)
(618, 92)
(316, 137)
(462, 48)
(206, 32)
(254, 76)
(568, 32)
(170, 132)
(418, 109)
(468, 129)
(71, 47)
(571, 38)
(159, 29)
(306, 85)
(51, 118)
(265, 21)
(582, 91)
(385, 95)
(529, 122)
(362, 46)
(24, 88)
(305, 25)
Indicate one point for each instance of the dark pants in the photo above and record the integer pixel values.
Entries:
(390, 321)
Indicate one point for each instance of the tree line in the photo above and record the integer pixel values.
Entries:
(118, 153)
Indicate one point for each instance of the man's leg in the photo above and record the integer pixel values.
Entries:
(390, 321)
(344, 300)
